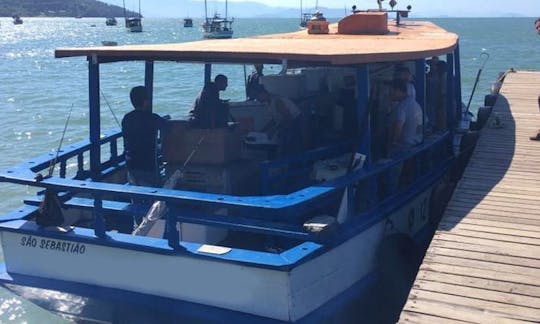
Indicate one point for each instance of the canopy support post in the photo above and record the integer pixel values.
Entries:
(149, 81)
(94, 118)
(453, 105)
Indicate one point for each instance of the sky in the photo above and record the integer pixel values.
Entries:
(422, 8)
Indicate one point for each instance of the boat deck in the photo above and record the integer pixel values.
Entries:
(483, 265)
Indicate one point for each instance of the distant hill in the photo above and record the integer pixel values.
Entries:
(60, 8)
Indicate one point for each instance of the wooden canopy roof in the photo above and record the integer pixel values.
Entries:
(410, 40)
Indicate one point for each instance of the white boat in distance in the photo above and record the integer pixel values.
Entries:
(217, 27)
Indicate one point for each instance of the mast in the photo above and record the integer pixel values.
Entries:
(301, 13)
(226, 9)
(316, 5)
(125, 17)
(205, 11)
(140, 9)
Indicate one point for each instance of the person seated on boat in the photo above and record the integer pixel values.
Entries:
(254, 86)
(140, 129)
(406, 131)
(403, 73)
(406, 119)
(209, 111)
(287, 126)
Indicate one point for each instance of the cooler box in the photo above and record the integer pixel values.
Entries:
(218, 146)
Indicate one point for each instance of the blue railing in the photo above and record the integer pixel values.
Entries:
(271, 214)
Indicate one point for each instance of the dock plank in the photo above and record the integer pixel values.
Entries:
(483, 263)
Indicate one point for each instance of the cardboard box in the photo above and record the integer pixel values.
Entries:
(217, 146)
(371, 23)
(238, 178)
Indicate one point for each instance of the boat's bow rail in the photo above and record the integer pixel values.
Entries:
(277, 215)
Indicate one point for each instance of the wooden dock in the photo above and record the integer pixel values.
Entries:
(483, 265)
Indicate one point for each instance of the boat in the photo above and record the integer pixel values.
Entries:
(109, 43)
(217, 27)
(306, 16)
(188, 22)
(17, 20)
(133, 24)
(111, 21)
(250, 235)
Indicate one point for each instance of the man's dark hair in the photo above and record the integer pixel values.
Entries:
(138, 95)
(220, 78)
(399, 84)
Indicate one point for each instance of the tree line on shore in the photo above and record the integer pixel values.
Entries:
(60, 8)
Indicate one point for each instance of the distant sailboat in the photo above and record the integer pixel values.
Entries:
(77, 10)
(306, 16)
(217, 27)
(17, 20)
(133, 24)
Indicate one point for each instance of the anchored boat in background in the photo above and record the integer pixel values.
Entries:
(111, 21)
(217, 27)
(17, 20)
(133, 24)
(188, 22)
(252, 233)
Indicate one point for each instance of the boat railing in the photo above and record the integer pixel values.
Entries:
(78, 151)
(291, 173)
(273, 214)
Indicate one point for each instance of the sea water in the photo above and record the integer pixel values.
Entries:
(37, 91)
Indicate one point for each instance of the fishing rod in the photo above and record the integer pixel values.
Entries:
(159, 208)
(53, 161)
(110, 108)
(50, 209)
(486, 58)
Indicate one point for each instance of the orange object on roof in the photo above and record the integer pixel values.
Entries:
(371, 23)
(317, 27)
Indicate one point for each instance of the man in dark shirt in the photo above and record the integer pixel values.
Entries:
(254, 86)
(140, 128)
(209, 111)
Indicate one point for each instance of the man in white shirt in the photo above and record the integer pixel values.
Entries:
(406, 129)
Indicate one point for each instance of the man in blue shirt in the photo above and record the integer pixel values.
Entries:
(140, 129)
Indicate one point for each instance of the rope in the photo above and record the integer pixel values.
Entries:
(53, 162)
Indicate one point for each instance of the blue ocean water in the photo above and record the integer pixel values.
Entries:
(37, 90)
